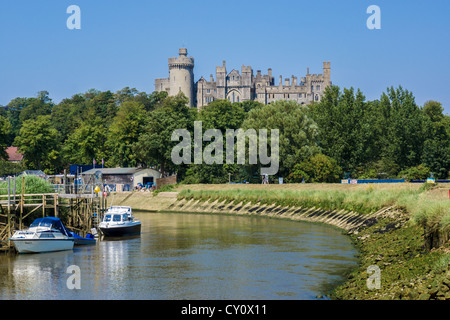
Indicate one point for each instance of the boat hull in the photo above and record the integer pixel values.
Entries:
(42, 245)
(120, 231)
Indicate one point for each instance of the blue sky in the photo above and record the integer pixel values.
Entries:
(127, 43)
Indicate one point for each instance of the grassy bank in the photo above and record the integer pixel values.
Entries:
(398, 244)
(427, 205)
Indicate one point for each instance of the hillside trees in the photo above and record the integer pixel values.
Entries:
(342, 135)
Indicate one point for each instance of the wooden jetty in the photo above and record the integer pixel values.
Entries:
(79, 212)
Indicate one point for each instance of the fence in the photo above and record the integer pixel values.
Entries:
(356, 181)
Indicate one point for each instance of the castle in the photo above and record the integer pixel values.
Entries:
(239, 87)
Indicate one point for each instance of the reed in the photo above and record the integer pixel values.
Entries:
(33, 185)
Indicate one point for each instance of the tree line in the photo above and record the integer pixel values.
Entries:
(341, 136)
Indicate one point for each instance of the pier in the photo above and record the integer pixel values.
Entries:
(80, 212)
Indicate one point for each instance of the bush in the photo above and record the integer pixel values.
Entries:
(318, 168)
(419, 172)
(33, 184)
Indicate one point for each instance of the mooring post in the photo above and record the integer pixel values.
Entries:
(43, 205)
(56, 203)
(65, 183)
(22, 200)
(14, 193)
(9, 211)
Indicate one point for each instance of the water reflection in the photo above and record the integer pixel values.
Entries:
(181, 256)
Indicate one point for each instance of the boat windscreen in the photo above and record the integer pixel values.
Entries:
(50, 222)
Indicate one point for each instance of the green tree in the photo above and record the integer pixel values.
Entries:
(414, 173)
(86, 143)
(41, 105)
(347, 127)
(38, 142)
(149, 101)
(154, 146)
(403, 137)
(5, 128)
(318, 168)
(220, 115)
(69, 114)
(298, 132)
(125, 130)
(249, 105)
(436, 148)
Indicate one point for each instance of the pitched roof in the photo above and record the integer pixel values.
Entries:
(14, 154)
(112, 170)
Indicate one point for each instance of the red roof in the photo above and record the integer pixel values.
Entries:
(14, 154)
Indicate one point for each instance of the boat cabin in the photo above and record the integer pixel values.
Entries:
(117, 217)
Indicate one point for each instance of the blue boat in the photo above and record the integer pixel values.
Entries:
(79, 240)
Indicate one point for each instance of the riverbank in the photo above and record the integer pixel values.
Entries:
(402, 229)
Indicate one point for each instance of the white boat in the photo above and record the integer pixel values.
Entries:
(119, 221)
(44, 235)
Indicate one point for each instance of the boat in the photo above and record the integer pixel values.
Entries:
(119, 221)
(79, 240)
(46, 234)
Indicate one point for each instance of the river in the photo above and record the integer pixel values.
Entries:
(189, 256)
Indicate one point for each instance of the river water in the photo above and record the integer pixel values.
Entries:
(188, 256)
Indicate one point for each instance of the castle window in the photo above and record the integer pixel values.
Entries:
(299, 95)
(318, 88)
(317, 97)
(208, 91)
(238, 99)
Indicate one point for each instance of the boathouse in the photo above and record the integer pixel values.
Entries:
(125, 179)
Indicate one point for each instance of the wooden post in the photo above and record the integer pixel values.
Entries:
(65, 182)
(14, 193)
(22, 200)
(43, 205)
(9, 211)
(55, 202)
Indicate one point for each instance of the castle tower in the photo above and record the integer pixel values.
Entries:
(181, 75)
(327, 73)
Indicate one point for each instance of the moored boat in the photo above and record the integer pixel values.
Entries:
(79, 240)
(119, 221)
(44, 235)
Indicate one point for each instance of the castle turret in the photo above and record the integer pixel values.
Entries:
(181, 75)
(327, 73)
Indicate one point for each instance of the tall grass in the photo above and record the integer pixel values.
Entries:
(361, 201)
(422, 209)
(33, 185)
